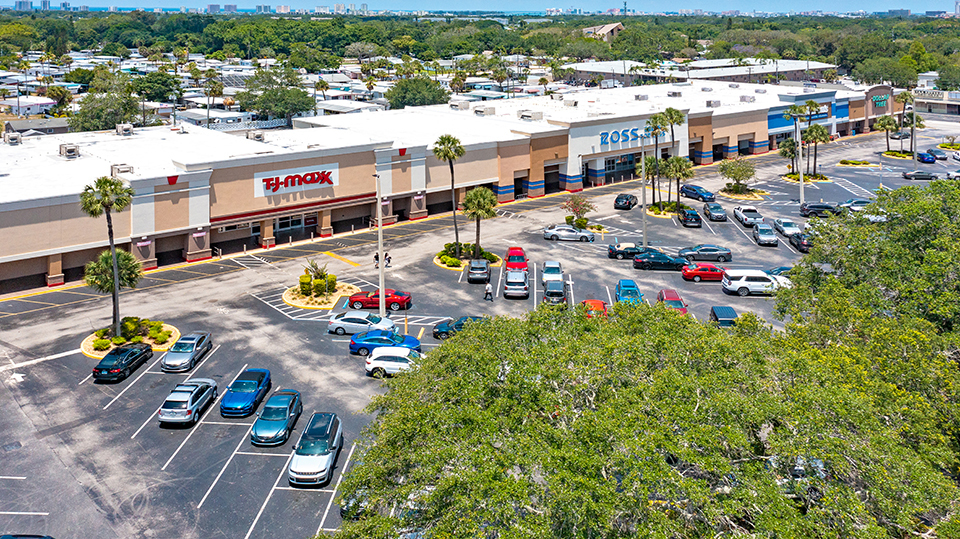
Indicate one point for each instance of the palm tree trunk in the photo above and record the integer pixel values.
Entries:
(476, 246)
(453, 199)
(814, 157)
(116, 276)
(808, 162)
(656, 165)
(888, 139)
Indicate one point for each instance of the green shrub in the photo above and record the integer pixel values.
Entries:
(162, 338)
(949, 146)
(305, 285)
(154, 326)
(319, 287)
(581, 222)
(129, 327)
(137, 339)
(101, 344)
(569, 220)
(453, 262)
(489, 256)
(331, 283)
(118, 340)
(102, 333)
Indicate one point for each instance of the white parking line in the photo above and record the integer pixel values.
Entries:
(135, 381)
(787, 245)
(12, 477)
(499, 280)
(460, 279)
(535, 280)
(251, 453)
(324, 490)
(744, 233)
(609, 297)
(38, 360)
(270, 495)
(573, 301)
(23, 513)
(227, 423)
(335, 487)
(647, 300)
(89, 376)
(225, 464)
(710, 227)
(205, 412)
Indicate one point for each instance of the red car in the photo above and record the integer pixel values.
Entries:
(595, 307)
(672, 300)
(394, 299)
(517, 259)
(702, 272)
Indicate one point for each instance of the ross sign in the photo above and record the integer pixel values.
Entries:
(624, 135)
(880, 101)
(199, 234)
(144, 243)
(282, 182)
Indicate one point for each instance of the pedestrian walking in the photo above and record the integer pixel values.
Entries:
(386, 259)
(376, 260)
(488, 292)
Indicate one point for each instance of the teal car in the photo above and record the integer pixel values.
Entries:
(628, 291)
(277, 419)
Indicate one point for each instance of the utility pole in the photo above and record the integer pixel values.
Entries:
(643, 183)
(382, 263)
(800, 160)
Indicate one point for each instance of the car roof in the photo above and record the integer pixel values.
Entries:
(551, 263)
(253, 374)
(515, 272)
(624, 245)
(280, 399)
(627, 283)
(705, 265)
(479, 262)
(179, 396)
(377, 333)
(669, 293)
(514, 250)
(390, 351)
(555, 284)
(724, 311)
(745, 208)
(319, 425)
(746, 273)
(762, 225)
(197, 382)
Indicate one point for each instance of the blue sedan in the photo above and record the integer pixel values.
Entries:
(697, 192)
(628, 291)
(926, 158)
(364, 343)
(245, 393)
(277, 419)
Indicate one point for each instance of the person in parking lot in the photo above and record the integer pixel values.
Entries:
(488, 292)
(376, 260)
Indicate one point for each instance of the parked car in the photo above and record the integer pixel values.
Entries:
(714, 211)
(277, 419)
(245, 393)
(516, 284)
(779, 270)
(956, 156)
(478, 270)
(628, 250)
(858, 204)
(818, 209)
(364, 343)
(449, 328)
(747, 215)
(186, 352)
(938, 153)
(723, 317)
(316, 451)
(656, 260)
(121, 361)
(697, 192)
(919, 175)
(555, 293)
(786, 227)
(391, 360)
(568, 233)
(516, 259)
(763, 234)
(671, 299)
(745, 282)
(595, 308)
(955, 174)
(690, 218)
(351, 322)
(706, 251)
(628, 291)
(187, 401)
(394, 299)
(924, 157)
(801, 242)
(625, 201)
(900, 135)
(702, 272)
(552, 271)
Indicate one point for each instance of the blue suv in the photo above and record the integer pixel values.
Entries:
(697, 192)
(628, 291)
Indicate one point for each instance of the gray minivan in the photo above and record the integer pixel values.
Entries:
(517, 284)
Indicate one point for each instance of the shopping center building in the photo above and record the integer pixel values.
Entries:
(198, 191)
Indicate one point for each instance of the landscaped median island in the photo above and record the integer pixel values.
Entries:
(447, 258)
(668, 211)
(317, 289)
(854, 163)
(793, 177)
(895, 154)
(157, 334)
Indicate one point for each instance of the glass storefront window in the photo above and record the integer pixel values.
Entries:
(292, 221)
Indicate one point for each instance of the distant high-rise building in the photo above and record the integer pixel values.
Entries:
(230, 8)
(84, 8)
(956, 7)
(351, 8)
(934, 13)
(339, 8)
(112, 9)
(283, 9)
(158, 10)
(326, 9)
(363, 8)
(213, 8)
(23, 5)
(65, 6)
(263, 9)
(44, 5)
(898, 13)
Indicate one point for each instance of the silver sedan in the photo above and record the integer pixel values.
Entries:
(351, 322)
(188, 400)
(786, 227)
(567, 232)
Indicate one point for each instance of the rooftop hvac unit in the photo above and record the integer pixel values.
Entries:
(809, 90)
(748, 99)
(674, 94)
(570, 103)
(485, 111)
(641, 97)
(70, 151)
(761, 90)
(460, 105)
(125, 129)
(115, 170)
(556, 97)
(255, 135)
(706, 89)
(713, 104)
(734, 85)
(11, 138)
(530, 115)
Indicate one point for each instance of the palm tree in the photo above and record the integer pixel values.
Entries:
(788, 150)
(812, 108)
(478, 205)
(656, 126)
(370, 82)
(904, 98)
(796, 113)
(886, 124)
(214, 89)
(680, 168)
(448, 148)
(673, 117)
(543, 82)
(817, 134)
(322, 85)
(105, 196)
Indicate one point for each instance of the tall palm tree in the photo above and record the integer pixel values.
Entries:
(657, 126)
(680, 168)
(812, 108)
(104, 197)
(322, 85)
(796, 113)
(449, 148)
(904, 98)
(214, 89)
(887, 124)
(816, 134)
(479, 204)
(543, 82)
(673, 117)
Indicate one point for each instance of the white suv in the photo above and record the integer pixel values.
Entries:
(745, 282)
(389, 360)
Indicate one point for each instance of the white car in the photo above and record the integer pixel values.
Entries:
(552, 271)
(389, 360)
(956, 156)
(352, 322)
(953, 174)
(786, 227)
(746, 282)
(316, 451)
(747, 215)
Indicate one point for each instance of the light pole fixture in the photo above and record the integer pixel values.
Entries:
(800, 159)
(381, 262)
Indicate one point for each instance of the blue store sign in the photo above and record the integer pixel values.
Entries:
(624, 135)
(880, 100)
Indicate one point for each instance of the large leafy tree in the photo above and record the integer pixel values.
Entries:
(275, 92)
(948, 78)
(109, 102)
(479, 204)
(157, 86)
(416, 91)
(738, 170)
(449, 148)
(104, 198)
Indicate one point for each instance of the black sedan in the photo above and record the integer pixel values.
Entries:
(657, 260)
(919, 175)
(449, 328)
(621, 251)
(625, 202)
(706, 252)
(690, 218)
(937, 153)
(121, 361)
(801, 242)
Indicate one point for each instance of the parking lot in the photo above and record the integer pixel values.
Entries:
(85, 459)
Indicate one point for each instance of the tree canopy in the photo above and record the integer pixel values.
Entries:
(416, 92)
(157, 86)
(109, 102)
(275, 92)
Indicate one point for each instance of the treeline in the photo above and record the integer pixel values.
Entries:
(873, 49)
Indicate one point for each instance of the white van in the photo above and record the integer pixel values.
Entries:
(745, 282)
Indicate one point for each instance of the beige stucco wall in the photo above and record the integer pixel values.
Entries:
(513, 157)
(545, 149)
(476, 164)
(732, 126)
(55, 227)
(171, 210)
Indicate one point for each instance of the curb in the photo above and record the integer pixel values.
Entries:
(806, 181)
(174, 337)
(842, 165)
(671, 216)
(437, 262)
(313, 307)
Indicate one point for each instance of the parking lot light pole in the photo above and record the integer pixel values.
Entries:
(913, 144)
(382, 263)
(643, 188)
(800, 161)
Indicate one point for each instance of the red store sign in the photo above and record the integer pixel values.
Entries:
(280, 182)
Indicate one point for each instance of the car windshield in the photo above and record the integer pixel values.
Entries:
(515, 258)
(788, 224)
(183, 347)
(674, 303)
(374, 319)
(274, 413)
(714, 207)
(243, 386)
(763, 229)
(629, 293)
(396, 337)
(110, 360)
(554, 270)
(313, 447)
(174, 405)
(554, 293)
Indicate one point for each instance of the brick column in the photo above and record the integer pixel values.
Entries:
(267, 240)
(324, 228)
(418, 206)
(54, 270)
(197, 245)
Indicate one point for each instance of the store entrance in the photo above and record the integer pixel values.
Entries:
(290, 228)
